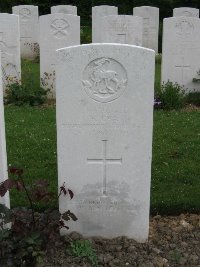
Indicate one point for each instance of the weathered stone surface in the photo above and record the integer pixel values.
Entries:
(150, 17)
(97, 13)
(56, 31)
(66, 9)
(122, 29)
(186, 12)
(10, 48)
(3, 157)
(180, 57)
(29, 30)
(104, 135)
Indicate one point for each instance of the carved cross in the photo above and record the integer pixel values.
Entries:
(104, 160)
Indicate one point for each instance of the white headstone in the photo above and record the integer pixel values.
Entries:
(181, 51)
(29, 30)
(150, 17)
(66, 9)
(122, 29)
(10, 48)
(56, 31)
(97, 13)
(186, 12)
(104, 136)
(3, 157)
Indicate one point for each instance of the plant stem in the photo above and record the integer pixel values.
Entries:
(30, 201)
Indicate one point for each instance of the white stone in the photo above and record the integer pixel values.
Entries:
(56, 31)
(181, 51)
(122, 29)
(186, 12)
(66, 9)
(150, 17)
(3, 157)
(10, 48)
(97, 13)
(29, 30)
(104, 136)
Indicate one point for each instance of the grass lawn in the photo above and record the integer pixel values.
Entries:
(31, 144)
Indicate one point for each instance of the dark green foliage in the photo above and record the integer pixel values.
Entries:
(86, 34)
(22, 94)
(172, 96)
(29, 91)
(193, 98)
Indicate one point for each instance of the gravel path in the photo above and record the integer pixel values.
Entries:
(173, 241)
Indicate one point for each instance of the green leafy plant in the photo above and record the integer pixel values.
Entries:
(26, 91)
(172, 96)
(175, 256)
(193, 98)
(21, 94)
(25, 242)
(83, 248)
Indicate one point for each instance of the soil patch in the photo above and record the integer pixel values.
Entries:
(173, 241)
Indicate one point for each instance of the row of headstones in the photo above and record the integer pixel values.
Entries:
(104, 137)
(137, 32)
(62, 30)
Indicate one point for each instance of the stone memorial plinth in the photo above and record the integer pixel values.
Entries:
(97, 13)
(104, 95)
(186, 12)
(29, 30)
(56, 31)
(66, 9)
(180, 57)
(150, 17)
(10, 49)
(3, 157)
(122, 29)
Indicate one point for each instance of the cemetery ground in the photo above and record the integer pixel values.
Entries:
(174, 228)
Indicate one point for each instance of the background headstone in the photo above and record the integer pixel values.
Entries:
(122, 29)
(97, 13)
(150, 17)
(181, 51)
(104, 137)
(56, 31)
(186, 12)
(29, 30)
(66, 9)
(10, 48)
(3, 157)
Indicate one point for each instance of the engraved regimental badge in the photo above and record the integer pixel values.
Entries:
(104, 79)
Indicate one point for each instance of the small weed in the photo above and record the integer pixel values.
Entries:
(193, 98)
(172, 96)
(175, 256)
(26, 91)
(21, 94)
(83, 248)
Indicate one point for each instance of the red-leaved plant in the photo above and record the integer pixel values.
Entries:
(27, 224)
